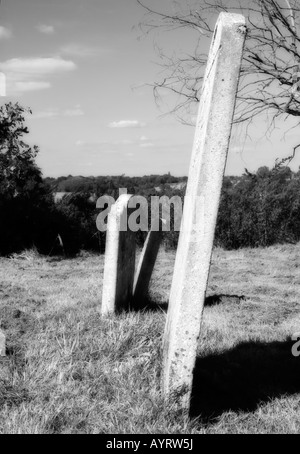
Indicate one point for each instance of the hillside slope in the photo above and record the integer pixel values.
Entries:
(70, 371)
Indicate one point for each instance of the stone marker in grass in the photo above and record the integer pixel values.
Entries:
(119, 262)
(201, 205)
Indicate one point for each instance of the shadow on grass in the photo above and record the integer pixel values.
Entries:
(152, 304)
(149, 304)
(214, 300)
(242, 378)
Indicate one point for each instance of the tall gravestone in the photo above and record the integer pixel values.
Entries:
(201, 205)
(119, 265)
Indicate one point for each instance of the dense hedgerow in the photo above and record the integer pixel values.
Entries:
(255, 210)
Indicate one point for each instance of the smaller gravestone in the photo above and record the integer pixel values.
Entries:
(145, 267)
(2, 344)
(119, 262)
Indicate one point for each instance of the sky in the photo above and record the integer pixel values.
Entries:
(84, 69)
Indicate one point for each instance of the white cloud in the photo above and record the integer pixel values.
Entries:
(37, 66)
(30, 86)
(90, 144)
(124, 143)
(2, 85)
(121, 148)
(126, 124)
(5, 33)
(50, 113)
(45, 114)
(143, 138)
(75, 112)
(28, 74)
(79, 50)
(146, 145)
(46, 29)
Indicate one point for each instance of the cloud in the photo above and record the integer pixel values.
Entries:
(30, 86)
(46, 29)
(79, 50)
(241, 148)
(146, 145)
(105, 147)
(76, 112)
(126, 142)
(104, 143)
(51, 113)
(126, 124)
(121, 147)
(5, 33)
(37, 66)
(45, 114)
(2, 85)
(29, 74)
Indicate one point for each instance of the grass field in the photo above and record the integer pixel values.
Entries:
(68, 370)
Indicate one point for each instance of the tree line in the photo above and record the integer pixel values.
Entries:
(256, 210)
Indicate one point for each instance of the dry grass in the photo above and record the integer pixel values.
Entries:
(70, 371)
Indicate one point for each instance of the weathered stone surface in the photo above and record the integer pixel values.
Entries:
(201, 205)
(119, 262)
(145, 267)
(2, 344)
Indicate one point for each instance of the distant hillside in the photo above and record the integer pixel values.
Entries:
(255, 210)
(109, 184)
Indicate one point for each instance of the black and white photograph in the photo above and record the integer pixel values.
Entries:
(149, 220)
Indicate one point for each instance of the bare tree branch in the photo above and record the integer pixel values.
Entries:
(270, 71)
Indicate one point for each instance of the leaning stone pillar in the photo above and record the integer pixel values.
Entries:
(201, 205)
